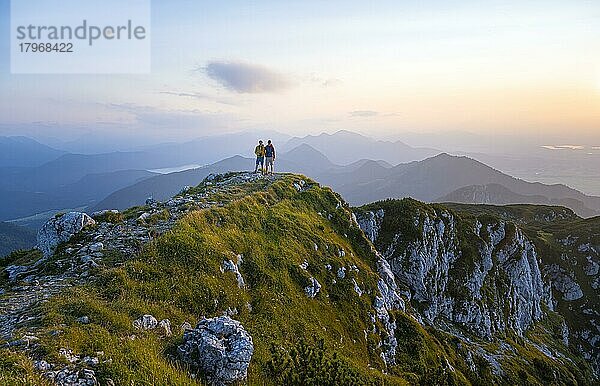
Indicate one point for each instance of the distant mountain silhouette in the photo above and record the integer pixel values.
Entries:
(86, 191)
(13, 237)
(500, 195)
(438, 176)
(25, 152)
(69, 181)
(367, 181)
(345, 147)
(308, 158)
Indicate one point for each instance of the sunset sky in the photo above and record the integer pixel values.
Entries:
(527, 68)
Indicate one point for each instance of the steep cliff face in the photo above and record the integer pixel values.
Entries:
(569, 251)
(480, 273)
(486, 286)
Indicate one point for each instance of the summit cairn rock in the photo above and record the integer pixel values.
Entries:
(220, 348)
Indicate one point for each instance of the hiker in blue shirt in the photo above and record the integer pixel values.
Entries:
(270, 156)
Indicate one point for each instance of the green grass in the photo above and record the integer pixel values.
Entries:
(17, 370)
(110, 217)
(178, 276)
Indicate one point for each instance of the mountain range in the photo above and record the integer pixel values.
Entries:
(37, 180)
(499, 194)
(345, 147)
(433, 179)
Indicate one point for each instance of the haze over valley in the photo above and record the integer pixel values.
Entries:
(39, 180)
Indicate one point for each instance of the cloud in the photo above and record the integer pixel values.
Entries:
(563, 147)
(247, 78)
(200, 96)
(325, 82)
(364, 113)
(151, 118)
(194, 95)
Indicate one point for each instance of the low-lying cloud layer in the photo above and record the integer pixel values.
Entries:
(247, 78)
(364, 113)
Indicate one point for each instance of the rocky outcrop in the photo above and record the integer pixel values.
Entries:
(229, 266)
(387, 299)
(15, 271)
(220, 348)
(145, 322)
(69, 376)
(313, 288)
(149, 322)
(486, 290)
(370, 223)
(60, 229)
(564, 283)
(76, 373)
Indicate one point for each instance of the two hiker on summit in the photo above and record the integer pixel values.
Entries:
(264, 153)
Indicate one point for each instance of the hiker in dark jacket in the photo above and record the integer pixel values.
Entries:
(270, 156)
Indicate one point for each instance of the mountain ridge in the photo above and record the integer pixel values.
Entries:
(260, 250)
(344, 147)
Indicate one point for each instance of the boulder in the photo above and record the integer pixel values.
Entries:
(145, 322)
(220, 348)
(60, 229)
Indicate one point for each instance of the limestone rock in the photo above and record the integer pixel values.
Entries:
(313, 288)
(424, 264)
(145, 322)
(592, 267)
(60, 229)
(14, 271)
(220, 348)
(370, 223)
(357, 289)
(186, 326)
(69, 376)
(165, 326)
(230, 266)
(564, 283)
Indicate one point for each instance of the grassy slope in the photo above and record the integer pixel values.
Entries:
(178, 277)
